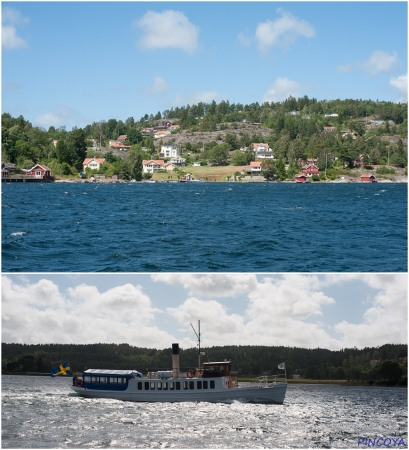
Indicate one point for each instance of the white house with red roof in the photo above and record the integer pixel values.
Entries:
(255, 167)
(262, 151)
(153, 165)
(93, 163)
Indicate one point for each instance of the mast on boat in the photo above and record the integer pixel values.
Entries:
(198, 338)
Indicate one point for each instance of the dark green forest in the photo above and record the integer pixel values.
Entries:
(296, 132)
(348, 363)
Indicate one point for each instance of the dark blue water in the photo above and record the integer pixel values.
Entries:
(204, 227)
(40, 412)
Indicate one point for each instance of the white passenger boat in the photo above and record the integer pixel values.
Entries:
(210, 382)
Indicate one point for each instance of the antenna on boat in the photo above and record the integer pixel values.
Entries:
(198, 338)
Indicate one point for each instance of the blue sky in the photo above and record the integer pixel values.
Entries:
(331, 311)
(73, 63)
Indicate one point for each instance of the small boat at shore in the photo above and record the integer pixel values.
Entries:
(209, 382)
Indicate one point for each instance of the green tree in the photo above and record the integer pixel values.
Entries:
(280, 169)
(240, 158)
(132, 165)
(219, 154)
(268, 170)
(390, 370)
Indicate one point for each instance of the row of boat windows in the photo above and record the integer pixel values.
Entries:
(104, 380)
(154, 385)
(175, 385)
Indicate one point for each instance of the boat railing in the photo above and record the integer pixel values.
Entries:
(269, 380)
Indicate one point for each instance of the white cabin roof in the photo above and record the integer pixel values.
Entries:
(110, 372)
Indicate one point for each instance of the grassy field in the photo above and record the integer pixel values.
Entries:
(206, 173)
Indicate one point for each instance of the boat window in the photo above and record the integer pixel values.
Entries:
(152, 385)
(103, 380)
(159, 385)
(191, 384)
(146, 385)
(199, 385)
(185, 385)
(87, 379)
(139, 385)
(94, 379)
(121, 380)
(204, 384)
(165, 385)
(113, 380)
(178, 385)
(171, 385)
(211, 384)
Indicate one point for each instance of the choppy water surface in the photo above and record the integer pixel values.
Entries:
(204, 227)
(40, 412)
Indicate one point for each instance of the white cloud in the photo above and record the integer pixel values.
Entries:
(401, 83)
(158, 86)
(386, 320)
(11, 19)
(197, 97)
(244, 39)
(59, 117)
(214, 285)
(379, 62)
(281, 89)
(282, 32)
(39, 313)
(344, 68)
(275, 316)
(168, 29)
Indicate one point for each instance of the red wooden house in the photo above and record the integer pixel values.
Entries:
(368, 178)
(310, 169)
(39, 171)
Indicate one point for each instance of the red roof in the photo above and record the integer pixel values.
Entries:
(255, 164)
(88, 160)
(160, 162)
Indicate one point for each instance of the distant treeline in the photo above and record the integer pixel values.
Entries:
(348, 363)
(296, 133)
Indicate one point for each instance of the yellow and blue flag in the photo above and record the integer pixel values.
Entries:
(62, 369)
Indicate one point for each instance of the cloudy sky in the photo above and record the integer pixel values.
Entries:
(154, 310)
(72, 63)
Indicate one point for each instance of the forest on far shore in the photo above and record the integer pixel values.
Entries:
(375, 131)
(367, 364)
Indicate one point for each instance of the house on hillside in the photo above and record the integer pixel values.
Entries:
(310, 169)
(39, 171)
(153, 165)
(178, 161)
(93, 163)
(262, 151)
(255, 167)
(161, 133)
(121, 147)
(327, 128)
(169, 151)
(122, 138)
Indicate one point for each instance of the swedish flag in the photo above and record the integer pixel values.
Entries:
(62, 369)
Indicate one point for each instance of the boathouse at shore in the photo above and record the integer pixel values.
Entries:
(368, 178)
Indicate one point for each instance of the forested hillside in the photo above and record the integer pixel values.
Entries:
(375, 130)
(249, 360)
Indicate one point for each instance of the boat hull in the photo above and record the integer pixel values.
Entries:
(274, 394)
